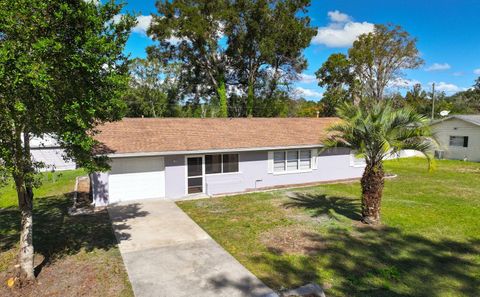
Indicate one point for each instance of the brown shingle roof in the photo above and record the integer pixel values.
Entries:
(142, 135)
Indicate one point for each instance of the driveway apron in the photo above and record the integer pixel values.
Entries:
(168, 254)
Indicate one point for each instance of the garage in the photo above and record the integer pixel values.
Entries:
(136, 178)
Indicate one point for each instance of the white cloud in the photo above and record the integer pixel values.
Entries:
(96, 2)
(459, 73)
(116, 18)
(308, 93)
(339, 17)
(438, 67)
(403, 83)
(143, 23)
(342, 31)
(307, 78)
(477, 71)
(447, 87)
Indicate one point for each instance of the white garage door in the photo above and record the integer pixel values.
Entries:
(136, 178)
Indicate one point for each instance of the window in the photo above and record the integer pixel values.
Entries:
(461, 141)
(230, 163)
(213, 164)
(221, 163)
(279, 161)
(305, 162)
(291, 161)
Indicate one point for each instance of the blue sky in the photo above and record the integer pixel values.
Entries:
(448, 33)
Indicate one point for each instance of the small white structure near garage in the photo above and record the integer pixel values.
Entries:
(458, 137)
(47, 150)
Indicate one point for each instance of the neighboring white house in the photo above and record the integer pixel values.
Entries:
(47, 150)
(458, 137)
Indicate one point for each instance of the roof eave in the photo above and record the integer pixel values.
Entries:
(195, 152)
(454, 117)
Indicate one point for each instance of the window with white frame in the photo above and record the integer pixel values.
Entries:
(292, 160)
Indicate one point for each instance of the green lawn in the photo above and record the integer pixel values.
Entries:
(429, 244)
(75, 256)
(53, 184)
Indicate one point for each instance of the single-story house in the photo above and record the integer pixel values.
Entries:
(46, 149)
(458, 137)
(174, 158)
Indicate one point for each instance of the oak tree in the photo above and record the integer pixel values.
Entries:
(63, 72)
(379, 57)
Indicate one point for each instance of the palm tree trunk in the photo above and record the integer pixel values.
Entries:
(372, 191)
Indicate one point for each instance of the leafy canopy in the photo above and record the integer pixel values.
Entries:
(255, 48)
(379, 57)
(63, 72)
(152, 89)
(380, 130)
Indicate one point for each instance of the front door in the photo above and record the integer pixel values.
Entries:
(195, 175)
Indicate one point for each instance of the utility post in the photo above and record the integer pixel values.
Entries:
(433, 101)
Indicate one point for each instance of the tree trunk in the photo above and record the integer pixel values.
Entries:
(250, 100)
(372, 191)
(26, 236)
(25, 204)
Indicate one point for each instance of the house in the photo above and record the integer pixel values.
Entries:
(46, 150)
(458, 137)
(174, 158)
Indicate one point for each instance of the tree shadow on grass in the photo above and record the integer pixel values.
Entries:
(56, 234)
(382, 262)
(322, 205)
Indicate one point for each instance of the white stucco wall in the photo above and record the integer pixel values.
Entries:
(455, 127)
(53, 158)
(47, 150)
(138, 174)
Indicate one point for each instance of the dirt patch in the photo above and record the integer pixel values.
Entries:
(83, 192)
(468, 170)
(100, 273)
(363, 226)
(293, 240)
(298, 214)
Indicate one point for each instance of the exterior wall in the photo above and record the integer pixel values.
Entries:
(175, 175)
(52, 158)
(253, 174)
(99, 188)
(455, 127)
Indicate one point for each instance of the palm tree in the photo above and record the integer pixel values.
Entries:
(375, 132)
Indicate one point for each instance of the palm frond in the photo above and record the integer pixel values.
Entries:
(380, 130)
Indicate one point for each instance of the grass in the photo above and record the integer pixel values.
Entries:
(52, 184)
(75, 256)
(428, 245)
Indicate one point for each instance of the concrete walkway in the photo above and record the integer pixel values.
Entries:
(167, 254)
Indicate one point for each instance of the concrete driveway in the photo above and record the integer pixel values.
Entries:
(167, 254)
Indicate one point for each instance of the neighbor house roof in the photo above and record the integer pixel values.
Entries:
(471, 118)
(170, 135)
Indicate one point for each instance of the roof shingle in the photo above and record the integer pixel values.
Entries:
(144, 135)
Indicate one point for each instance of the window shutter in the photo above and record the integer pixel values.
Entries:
(270, 162)
(313, 155)
(465, 141)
